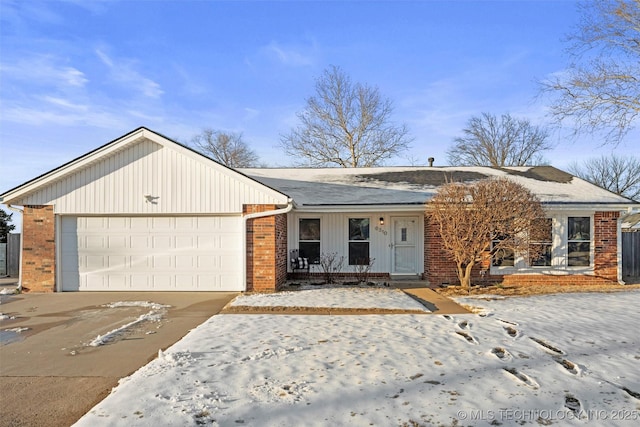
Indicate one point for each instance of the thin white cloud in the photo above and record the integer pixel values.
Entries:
(32, 115)
(44, 70)
(250, 113)
(65, 103)
(122, 71)
(296, 56)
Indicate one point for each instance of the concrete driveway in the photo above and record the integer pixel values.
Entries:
(51, 376)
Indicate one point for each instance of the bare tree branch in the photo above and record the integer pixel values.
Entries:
(620, 175)
(225, 147)
(472, 216)
(600, 89)
(505, 141)
(346, 125)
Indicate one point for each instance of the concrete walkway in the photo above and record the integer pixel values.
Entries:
(421, 292)
(51, 377)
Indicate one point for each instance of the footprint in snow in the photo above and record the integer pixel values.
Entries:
(547, 346)
(573, 404)
(507, 322)
(527, 380)
(632, 393)
(501, 353)
(446, 316)
(571, 367)
(467, 337)
(512, 332)
(464, 325)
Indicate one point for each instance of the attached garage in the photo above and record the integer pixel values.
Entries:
(145, 213)
(179, 253)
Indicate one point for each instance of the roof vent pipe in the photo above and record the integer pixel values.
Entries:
(431, 160)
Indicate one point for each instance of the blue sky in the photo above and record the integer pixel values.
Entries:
(76, 74)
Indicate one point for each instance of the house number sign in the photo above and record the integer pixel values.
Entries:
(380, 230)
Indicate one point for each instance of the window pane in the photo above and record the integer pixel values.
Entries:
(579, 254)
(309, 229)
(311, 251)
(579, 228)
(358, 253)
(358, 228)
(543, 258)
(541, 230)
(503, 258)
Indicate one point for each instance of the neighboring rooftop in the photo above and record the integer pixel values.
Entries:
(416, 185)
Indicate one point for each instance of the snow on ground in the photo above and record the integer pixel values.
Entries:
(154, 315)
(567, 359)
(333, 297)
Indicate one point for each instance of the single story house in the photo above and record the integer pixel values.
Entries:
(144, 212)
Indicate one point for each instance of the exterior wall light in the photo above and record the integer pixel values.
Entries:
(381, 220)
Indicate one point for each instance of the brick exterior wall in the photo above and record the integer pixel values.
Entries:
(266, 250)
(440, 269)
(39, 249)
(605, 241)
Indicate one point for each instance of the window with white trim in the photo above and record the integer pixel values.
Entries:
(579, 241)
(359, 241)
(309, 239)
(541, 243)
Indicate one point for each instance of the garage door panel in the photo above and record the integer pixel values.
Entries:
(117, 281)
(117, 242)
(184, 261)
(185, 242)
(139, 281)
(93, 262)
(137, 241)
(161, 223)
(151, 253)
(139, 262)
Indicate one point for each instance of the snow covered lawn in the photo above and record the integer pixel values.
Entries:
(557, 359)
(333, 297)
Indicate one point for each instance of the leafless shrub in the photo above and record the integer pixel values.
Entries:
(331, 264)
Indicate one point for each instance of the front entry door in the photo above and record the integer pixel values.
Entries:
(403, 254)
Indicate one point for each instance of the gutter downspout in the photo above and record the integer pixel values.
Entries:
(244, 234)
(21, 212)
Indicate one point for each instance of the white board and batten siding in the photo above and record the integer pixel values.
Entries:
(144, 213)
(178, 181)
(392, 250)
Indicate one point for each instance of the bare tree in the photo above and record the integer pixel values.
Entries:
(5, 225)
(345, 124)
(494, 215)
(505, 141)
(225, 147)
(600, 89)
(620, 175)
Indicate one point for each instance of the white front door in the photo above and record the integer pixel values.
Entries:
(404, 239)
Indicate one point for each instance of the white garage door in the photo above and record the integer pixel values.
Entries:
(151, 253)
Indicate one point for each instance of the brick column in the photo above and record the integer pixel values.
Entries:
(266, 250)
(605, 242)
(39, 249)
(439, 268)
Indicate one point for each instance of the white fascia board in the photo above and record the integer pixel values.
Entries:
(555, 207)
(596, 207)
(360, 208)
